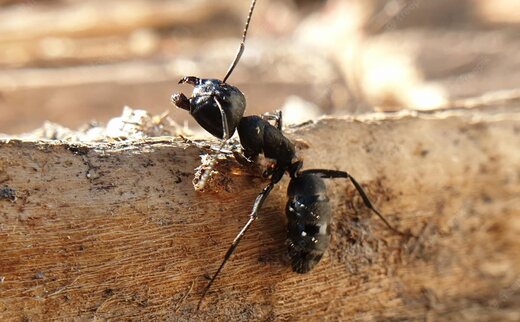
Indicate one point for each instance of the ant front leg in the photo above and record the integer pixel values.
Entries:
(243, 158)
(201, 183)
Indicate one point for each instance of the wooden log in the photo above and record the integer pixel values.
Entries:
(115, 231)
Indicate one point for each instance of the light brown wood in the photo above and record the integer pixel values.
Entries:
(115, 230)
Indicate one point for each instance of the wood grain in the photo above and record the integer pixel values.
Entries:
(115, 231)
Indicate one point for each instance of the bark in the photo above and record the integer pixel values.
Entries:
(115, 230)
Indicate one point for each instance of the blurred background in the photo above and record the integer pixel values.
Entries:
(74, 62)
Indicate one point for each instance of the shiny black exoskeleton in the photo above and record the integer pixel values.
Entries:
(308, 210)
(309, 216)
(259, 137)
(211, 99)
(308, 221)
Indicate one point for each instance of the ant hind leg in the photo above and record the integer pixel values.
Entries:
(329, 174)
(252, 216)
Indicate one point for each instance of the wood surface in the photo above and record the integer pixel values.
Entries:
(115, 231)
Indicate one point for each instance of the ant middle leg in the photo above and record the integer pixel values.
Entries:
(252, 217)
(259, 201)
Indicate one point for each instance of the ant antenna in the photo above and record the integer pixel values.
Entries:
(242, 44)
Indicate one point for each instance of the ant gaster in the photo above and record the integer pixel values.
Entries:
(219, 107)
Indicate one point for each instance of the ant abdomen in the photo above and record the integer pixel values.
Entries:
(308, 228)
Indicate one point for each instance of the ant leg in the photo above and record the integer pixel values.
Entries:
(223, 116)
(326, 174)
(243, 159)
(199, 185)
(276, 116)
(252, 216)
(279, 120)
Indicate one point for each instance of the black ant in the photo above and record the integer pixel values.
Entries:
(307, 209)
(219, 107)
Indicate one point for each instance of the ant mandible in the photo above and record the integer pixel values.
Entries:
(219, 107)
